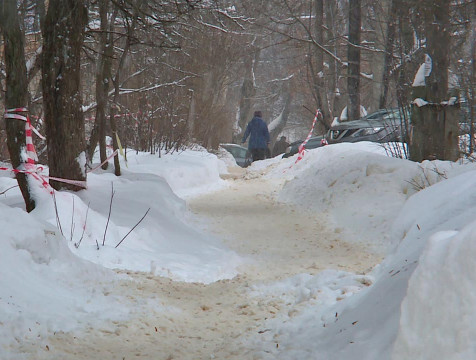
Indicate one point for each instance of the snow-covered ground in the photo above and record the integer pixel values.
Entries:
(51, 282)
(419, 305)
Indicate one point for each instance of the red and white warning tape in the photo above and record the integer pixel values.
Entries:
(105, 161)
(79, 183)
(302, 147)
(32, 157)
(31, 167)
(34, 174)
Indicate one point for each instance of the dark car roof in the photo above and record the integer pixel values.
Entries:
(375, 119)
(357, 124)
(377, 114)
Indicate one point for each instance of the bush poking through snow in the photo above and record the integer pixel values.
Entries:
(427, 177)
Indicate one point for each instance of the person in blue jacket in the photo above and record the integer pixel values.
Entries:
(259, 136)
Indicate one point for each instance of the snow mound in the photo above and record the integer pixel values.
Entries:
(357, 188)
(55, 262)
(426, 208)
(188, 172)
(162, 244)
(440, 291)
(44, 287)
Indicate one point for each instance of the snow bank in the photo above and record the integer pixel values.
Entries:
(187, 172)
(357, 189)
(43, 286)
(54, 274)
(348, 183)
(162, 244)
(442, 231)
(438, 315)
(226, 157)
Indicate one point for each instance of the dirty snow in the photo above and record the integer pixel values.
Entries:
(283, 252)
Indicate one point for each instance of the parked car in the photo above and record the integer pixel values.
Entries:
(314, 142)
(241, 154)
(381, 126)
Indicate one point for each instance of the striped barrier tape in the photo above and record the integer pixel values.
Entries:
(79, 183)
(302, 147)
(31, 155)
(101, 164)
(34, 174)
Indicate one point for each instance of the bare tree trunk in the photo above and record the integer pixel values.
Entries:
(115, 145)
(336, 101)
(472, 82)
(353, 58)
(320, 87)
(437, 30)
(248, 91)
(103, 75)
(191, 116)
(392, 16)
(435, 134)
(16, 92)
(382, 42)
(273, 134)
(116, 82)
(406, 40)
(63, 35)
(102, 83)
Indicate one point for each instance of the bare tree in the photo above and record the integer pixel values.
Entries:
(382, 22)
(353, 59)
(435, 134)
(63, 34)
(103, 75)
(321, 91)
(16, 95)
(248, 91)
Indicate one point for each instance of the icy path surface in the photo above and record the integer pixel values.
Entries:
(174, 320)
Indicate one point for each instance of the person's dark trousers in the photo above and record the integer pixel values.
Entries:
(258, 154)
(268, 153)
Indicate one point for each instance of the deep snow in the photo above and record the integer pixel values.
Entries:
(421, 215)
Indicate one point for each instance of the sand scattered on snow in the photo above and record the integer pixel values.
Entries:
(176, 320)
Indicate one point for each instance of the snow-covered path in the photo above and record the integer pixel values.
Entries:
(176, 320)
(279, 240)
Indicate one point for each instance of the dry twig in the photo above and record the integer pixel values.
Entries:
(109, 215)
(143, 217)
